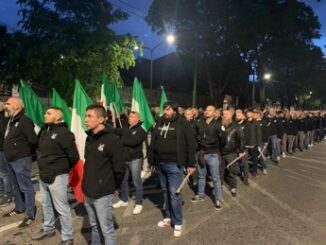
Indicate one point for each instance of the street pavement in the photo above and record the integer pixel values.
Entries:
(287, 206)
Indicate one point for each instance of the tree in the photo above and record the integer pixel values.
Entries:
(228, 35)
(62, 40)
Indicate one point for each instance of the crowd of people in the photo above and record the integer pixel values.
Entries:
(215, 146)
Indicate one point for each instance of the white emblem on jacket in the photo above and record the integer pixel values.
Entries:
(100, 147)
(16, 124)
(54, 135)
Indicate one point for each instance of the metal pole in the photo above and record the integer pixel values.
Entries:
(253, 90)
(151, 77)
(194, 91)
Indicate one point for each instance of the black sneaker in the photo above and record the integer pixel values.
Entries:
(12, 213)
(5, 200)
(42, 234)
(217, 205)
(197, 199)
(67, 242)
(26, 223)
(246, 181)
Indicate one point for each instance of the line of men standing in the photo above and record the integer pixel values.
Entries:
(218, 145)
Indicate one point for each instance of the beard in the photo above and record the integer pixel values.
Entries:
(226, 122)
(8, 113)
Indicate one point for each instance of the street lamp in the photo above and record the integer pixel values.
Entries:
(170, 39)
(267, 76)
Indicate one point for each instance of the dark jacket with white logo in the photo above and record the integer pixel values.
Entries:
(57, 152)
(173, 138)
(21, 140)
(232, 139)
(104, 166)
(132, 140)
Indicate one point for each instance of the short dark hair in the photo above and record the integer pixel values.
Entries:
(172, 104)
(99, 110)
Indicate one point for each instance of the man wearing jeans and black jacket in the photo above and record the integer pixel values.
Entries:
(209, 148)
(232, 146)
(172, 148)
(19, 146)
(104, 170)
(132, 138)
(56, 155)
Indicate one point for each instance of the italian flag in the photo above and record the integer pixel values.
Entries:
(33, 106)
(163, 100)
(140, 105)
(78, 127)
(80, 103)
(57, 101)
(106, 98)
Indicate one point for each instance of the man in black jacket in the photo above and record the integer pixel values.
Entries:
(232, 146)
(132, 138)
(56, 155)
(5, 180)
(208, 154)
(104, 170)
(19, 145)
(172, 148)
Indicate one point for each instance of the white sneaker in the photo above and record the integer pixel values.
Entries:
(264, 171)
(283, 155)
(164, 223)
(177, 230)
(138, 208)
(119, 204)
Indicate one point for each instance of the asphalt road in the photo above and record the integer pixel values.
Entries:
(287, 206)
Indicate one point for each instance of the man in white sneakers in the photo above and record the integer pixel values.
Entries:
(132, 138)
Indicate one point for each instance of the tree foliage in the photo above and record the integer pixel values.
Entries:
(61, 40)
(233, 38)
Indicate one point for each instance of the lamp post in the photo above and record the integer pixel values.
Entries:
(266, 77)
(169, 39)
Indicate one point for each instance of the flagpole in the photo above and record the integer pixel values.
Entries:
(115, 108)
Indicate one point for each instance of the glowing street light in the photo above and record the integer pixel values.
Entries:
(170, 39)
(267, 76)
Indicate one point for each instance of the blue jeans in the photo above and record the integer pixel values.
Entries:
(23, 190)
(212, 161)
(171, 177)
(5, 181)
(275, 147)
(134, 167)
(56, 193)
(100, 218)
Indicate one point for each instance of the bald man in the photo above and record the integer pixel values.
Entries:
(56, 155)
(132, 138)
(19, 145)
(5, 181)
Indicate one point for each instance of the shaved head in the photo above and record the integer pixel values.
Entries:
(13, 106)
(53, 115)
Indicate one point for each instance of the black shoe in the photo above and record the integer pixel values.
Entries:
(246, 181)
(217, 205)
(26, 223)
(68, 242)
(12, 213)
(197, 199)
(42, 234)
(5, 200)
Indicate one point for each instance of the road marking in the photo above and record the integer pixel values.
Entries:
(8, 227)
